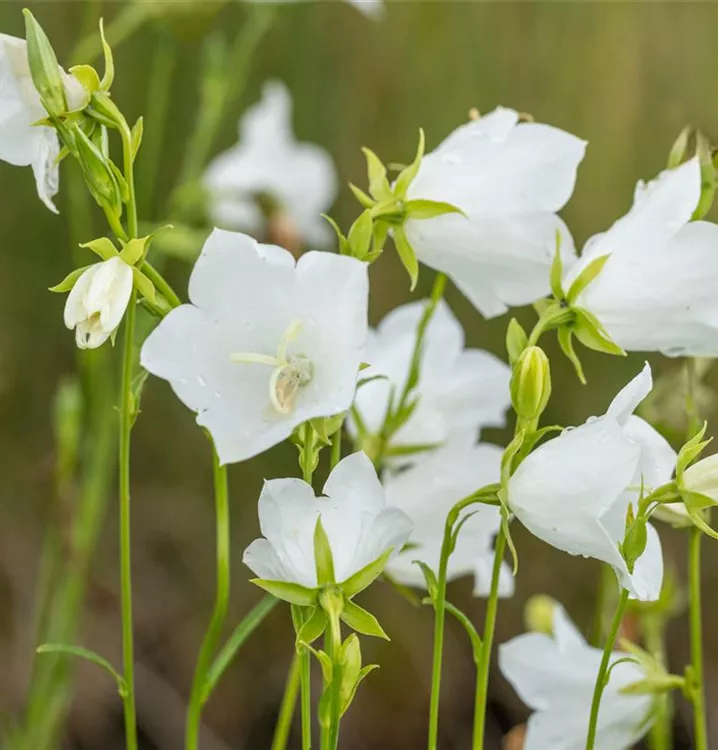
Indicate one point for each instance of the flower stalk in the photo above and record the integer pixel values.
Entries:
(700, 736)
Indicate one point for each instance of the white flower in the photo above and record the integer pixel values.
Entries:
(268, 162)
(426, 493)
(370, 8)
(574, 491)
(22, 143)
(658, 290)
(509, 179)
(266, 344)
(97, 302)
(358, 524)
(460, 390)
(555, 676)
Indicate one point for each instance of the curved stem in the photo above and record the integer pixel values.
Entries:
(126, 418)
(603, 669)
(199, 693)
(700, 738)
(289, 702)
(482, 675)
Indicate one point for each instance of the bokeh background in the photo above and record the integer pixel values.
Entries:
(625, 76)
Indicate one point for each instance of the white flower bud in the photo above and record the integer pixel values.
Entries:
(97, 302)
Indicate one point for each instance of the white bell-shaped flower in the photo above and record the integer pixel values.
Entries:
(658, 290)
(509, 179)
(359, 525)
(21, 142)
(460, 391)
(97, 302)
(426, 493)
(555, 675)
(267, 343)
(268, 163)
(573, 492)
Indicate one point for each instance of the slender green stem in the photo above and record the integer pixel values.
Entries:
(605, 581)
(603, 670)
(289, 702)
(482, 673)
(661, 735)
(214, 631)
(700, 738)
(161, 284)
(333, 644)
(126, 417)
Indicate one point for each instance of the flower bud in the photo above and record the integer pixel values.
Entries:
(539, 614)
(44, 68)
(702, 478)
(99, 176)
(531, 384)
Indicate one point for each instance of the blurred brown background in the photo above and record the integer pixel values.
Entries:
(626, 77)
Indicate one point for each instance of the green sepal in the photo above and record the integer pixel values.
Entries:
(366, 576)
(407, 175)
(586, 277)
(421, 208)
(361, 621)
(361, 196)
(591, 333)
(102, 246)
(136, 134)
(556, 276)
(293, 593)
(109, 75)
(505, 526)
(406, 255)
(121, 181)
(360, 236)
(565, 341)
(432, 585)
(84, 653)
(133, 250)
(679, 149)
(343, 244)
(655, 684)
(690, 451)
(708, 177)
(700, 523)
(143, 285)
(635, 540)
(508, 456)
(696, 500)
(312, 628)
(363, 672)
(410, 450)
(379, 234)
(44, 68)
(87, 76)
(516, 340)
(323, 558)
(379, 187)
(69, 281)
(99, 176)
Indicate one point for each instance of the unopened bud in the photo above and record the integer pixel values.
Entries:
(44, 68)
(531, 384)
(634, 544)
(539, 614)
(98, 174)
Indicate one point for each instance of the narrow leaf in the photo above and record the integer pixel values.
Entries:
(361, 196)
(83, 653)
(566, 343)
(407, 255)
(136, 136)
(557, 270)
(379, 187)
(420, 208)
(432, 585)
(366, 576)
(409, 173)
(109, 75)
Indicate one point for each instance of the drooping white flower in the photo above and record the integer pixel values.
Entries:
(269, 163)
(370, 8)
(97, 302)
(509, 179)
(21, 142)
(574, 490)
(658, 290)
(426, 493)
(555, 676)
(460, 391)
(358, 523)
(267, 343)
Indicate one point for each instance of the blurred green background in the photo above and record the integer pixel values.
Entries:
(624, 76)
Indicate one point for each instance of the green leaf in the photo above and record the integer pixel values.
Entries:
(360, 235)
(409, 173)
(586, 277)
(363, 672)
(591, 333)
(379, 187)
(366, 576)
(143, 285)
(362, 621)
(103, 246)
(407, 255)
(323, 558)
(420, 208)
(136, 136)
(69, 281)
(361, 196)
(288, 592)
(432, 585)
(566, 343)
(121, 181)
(343, 244)
(516, 340)
(83, 653)
(109, 75)
(476, 645)
(557, 270)
(313, 627)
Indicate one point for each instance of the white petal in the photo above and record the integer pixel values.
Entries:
(483, 569)
(565, 633)
(262, 560)
(658, 459)
(75, 310)
(497, 125)
(109, 292)
(370, 8)
(355, 481)
(628, 398)
(45, 166)
(647, 577)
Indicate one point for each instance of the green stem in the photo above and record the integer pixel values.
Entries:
(333, 644)
(126, 417)
(289, 702)
(661, 736)
(482, 674)
(605, 581)
(603, 670)
(161, 284)
(700, 738)
(209, 645)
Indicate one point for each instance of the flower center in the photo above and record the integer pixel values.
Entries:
(289, 371)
